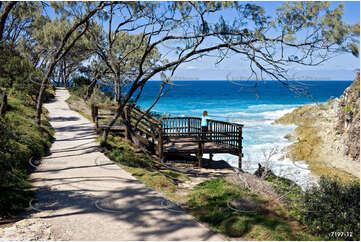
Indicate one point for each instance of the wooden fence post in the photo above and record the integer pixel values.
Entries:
(189, 126)
(160, 142)
(200, 154)
(240, 148)
(93, 111)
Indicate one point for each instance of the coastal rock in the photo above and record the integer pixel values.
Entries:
(348, 125)
(327, 134)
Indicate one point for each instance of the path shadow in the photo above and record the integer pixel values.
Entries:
(63, 119)
(135, 206)
(74, 128)
(74, 168)
(75, 148)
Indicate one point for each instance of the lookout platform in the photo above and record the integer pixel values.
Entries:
(176, 135)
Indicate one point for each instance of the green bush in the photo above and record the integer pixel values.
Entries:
(20, 140)
(79, 91)
(333, 206)
(80, 81)
(97, 96)
(19, 78)
(15, 191)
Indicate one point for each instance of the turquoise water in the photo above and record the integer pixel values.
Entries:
(256, 108)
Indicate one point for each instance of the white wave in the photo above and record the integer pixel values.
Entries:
(265, 146)
(271, 107)
(262, 115)
(276, 114)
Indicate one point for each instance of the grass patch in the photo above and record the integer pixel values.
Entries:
(209, 203)
(290, 196)
(77, 104)
(346, 109)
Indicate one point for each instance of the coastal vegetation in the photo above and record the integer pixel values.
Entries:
(106, 52)
(256, 218)
(333, 206)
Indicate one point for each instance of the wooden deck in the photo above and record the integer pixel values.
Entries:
(191, 146)
(178, 135)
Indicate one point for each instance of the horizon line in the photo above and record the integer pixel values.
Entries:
(256, 80)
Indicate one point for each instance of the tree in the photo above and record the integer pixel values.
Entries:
(98, 75)
(305, 33)
(16, 19)
(118, 53)
(81, 14)
(16, 73)
(5, 11)
(67, 66)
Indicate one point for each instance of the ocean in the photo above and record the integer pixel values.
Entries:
(255, 107)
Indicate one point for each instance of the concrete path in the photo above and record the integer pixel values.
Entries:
(85, 196)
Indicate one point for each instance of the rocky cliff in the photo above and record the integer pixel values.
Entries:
(348, 125)
(328, 134)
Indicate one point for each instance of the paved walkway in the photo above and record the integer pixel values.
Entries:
(85, 196)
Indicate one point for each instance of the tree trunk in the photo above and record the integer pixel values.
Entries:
(39, 104)
(4, 15)
(111, 123)
(130, 134)
(120, 113)
(4, 103)
(89, 90)
(66, 83)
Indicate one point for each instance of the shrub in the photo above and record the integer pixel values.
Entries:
(79, 91)
(20, 140)
(333, 206)
(80, 81)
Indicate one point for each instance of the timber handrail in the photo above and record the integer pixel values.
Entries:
(189, 130)
(226, 135)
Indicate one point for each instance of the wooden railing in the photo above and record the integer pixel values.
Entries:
(181, 126)
(227, 135)
(219, 132)
(148, 125)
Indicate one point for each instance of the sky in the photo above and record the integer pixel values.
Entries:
(341, 67)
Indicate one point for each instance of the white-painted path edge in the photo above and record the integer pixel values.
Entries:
(85, 196)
